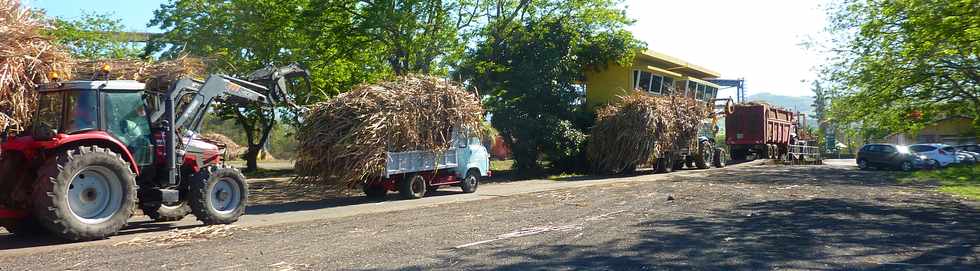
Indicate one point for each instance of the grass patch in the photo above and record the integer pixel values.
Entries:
(963, 181)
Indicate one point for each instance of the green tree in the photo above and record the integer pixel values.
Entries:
(900, 64)
(94, 36)
(244, 35)
(530, 60)
(416, 36)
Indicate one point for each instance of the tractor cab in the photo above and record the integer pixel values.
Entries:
(82, 109)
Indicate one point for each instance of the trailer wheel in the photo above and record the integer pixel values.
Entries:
(163, 212)
(664, 165)
(85, 194)
(678, 164)
(704, 156)
(218, 195)
(471, 182)
(412, 187)
(719, 158)
(375, 191)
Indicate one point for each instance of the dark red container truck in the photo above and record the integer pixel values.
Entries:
(760, 129)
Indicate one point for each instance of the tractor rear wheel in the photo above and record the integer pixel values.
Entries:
(85, 194)
(163, 212)
(218, 195)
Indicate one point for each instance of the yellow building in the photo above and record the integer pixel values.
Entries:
(652, 72)
(953, 130)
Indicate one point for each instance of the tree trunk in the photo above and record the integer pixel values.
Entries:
(252, 154)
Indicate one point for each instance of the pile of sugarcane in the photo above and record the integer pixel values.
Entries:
(344, 140)
(156, 75)
(640, 127)
(27, 58)
(232, 149)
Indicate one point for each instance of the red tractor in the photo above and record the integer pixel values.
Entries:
(100, 149)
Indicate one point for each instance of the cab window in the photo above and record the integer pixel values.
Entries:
(50, 106)
(83, 111)
(126, 119)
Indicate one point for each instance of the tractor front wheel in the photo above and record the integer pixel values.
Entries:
(218, 195)
(85, 194)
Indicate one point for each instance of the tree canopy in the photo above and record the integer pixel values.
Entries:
(91, 37)
(900, 64)
(530, 61)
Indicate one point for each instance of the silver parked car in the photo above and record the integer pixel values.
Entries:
(937, 155)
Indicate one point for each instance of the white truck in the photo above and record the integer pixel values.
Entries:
(413, 173)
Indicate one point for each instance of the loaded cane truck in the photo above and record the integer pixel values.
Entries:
(413, 173)
(99, 149)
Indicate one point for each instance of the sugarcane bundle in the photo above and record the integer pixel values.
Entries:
(344, 140)
(640, 127)
(27, 58)
(157, 75)
(232, 149)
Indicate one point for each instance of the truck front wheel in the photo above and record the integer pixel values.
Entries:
(412, 187)
(218, 195)
(471, 181)
(85, 194)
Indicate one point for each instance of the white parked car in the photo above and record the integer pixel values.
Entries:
(938, 155)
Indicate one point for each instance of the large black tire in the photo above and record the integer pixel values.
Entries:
(664, 165)
(218, 195)
(375, 191)
(863, 164)
(94, 167)
(719, 158)
(678, 164)
(412, 187)
(471, 182)
(163, 212)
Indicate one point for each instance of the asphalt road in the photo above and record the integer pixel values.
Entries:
(749, 216)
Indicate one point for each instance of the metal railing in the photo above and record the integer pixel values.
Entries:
(803, 155)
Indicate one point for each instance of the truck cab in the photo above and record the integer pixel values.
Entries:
(414, 173)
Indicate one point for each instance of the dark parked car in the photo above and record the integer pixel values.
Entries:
(889, 156)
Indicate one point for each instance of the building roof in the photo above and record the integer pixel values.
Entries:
(671, 63)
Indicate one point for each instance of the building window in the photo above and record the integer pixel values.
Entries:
(668, 87)
(644, 83)
(656, 83)
(692, 87)
(700, 92)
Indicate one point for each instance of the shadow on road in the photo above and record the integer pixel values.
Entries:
(806, 234)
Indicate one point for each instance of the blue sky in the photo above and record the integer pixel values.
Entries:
(757, 40)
